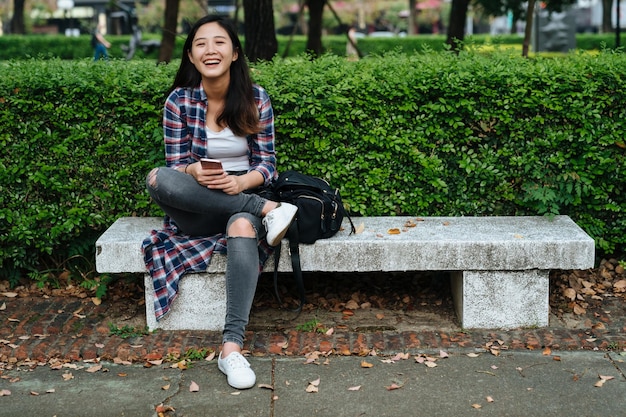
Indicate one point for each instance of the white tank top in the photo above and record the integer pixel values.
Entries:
(232, 150)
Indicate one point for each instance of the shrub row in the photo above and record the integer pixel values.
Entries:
(425, 135)
(59, 46)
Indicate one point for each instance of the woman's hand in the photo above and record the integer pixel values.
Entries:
(230, 184)
(216, 179)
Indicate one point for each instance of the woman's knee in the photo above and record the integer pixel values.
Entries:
(240, 226)
(151, 180)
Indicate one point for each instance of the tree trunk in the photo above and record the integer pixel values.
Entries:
(412, 18)
(530, 14)
(456, 28)
(260, 35)
(168, 38)
(17, 22)
(607, 26)
(314, 40)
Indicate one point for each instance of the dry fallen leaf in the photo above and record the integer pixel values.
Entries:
(162, 409)
(356, 388)
(579, 310)
(393, 386)
(9, 294)
(570, 293)
(602, 380)
(266, 386)
(410, 223)
(365, 364)
(620, 285)
(313, 385)
(4, 392)
(489, 399)
(210, 357)
(394, 231)
(67, 376)
(193, 387)
(94, 368)
(547, 351)
(165, 387)
(400, 356)
(360, 228)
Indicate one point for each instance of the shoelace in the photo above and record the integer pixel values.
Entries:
(235, 361)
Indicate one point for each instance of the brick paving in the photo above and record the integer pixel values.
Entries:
(71, 329)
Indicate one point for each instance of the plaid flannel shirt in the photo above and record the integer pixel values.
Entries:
(169, 254)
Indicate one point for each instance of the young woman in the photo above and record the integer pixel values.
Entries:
(215, 111)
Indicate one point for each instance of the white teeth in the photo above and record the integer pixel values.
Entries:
(211, 62)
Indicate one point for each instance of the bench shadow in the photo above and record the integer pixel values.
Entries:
(362, 302)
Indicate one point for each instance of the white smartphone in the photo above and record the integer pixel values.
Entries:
(211, 163)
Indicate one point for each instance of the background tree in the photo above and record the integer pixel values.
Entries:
(260, 35)
(456, 27)
(17, 21)
(314, 40)
(607, 26)
(168, 38)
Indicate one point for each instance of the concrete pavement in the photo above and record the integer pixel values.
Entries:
(466, 382)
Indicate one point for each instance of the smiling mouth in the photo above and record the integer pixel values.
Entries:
(211, 62)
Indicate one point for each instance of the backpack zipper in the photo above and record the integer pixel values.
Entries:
(322, 225)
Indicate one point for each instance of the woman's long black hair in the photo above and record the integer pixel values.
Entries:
(240, 113)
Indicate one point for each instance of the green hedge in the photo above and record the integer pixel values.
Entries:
(424, 135)
(59, 46)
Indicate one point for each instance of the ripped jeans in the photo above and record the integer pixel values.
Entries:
(199, 211)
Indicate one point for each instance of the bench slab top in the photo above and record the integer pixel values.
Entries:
(400, 244)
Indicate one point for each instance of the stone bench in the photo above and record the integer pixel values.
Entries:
(499, 266)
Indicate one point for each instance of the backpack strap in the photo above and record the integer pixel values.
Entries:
(294, 249)
(352, 228)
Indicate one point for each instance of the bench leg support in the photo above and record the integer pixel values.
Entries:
(200, 304)
(501, 299)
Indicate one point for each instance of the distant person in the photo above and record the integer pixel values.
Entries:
(135, 40)
(351, 51)
(100, 45)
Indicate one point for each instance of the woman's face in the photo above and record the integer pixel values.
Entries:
(212, 51)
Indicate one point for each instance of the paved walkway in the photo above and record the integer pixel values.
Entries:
(59, 358)
(72, 329)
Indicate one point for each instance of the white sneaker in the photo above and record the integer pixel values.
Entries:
(277, 222)
(237, 370)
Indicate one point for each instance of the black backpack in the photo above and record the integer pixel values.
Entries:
(320, 214)
(94, 40)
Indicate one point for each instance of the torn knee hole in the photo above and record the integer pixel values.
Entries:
(152, 177)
